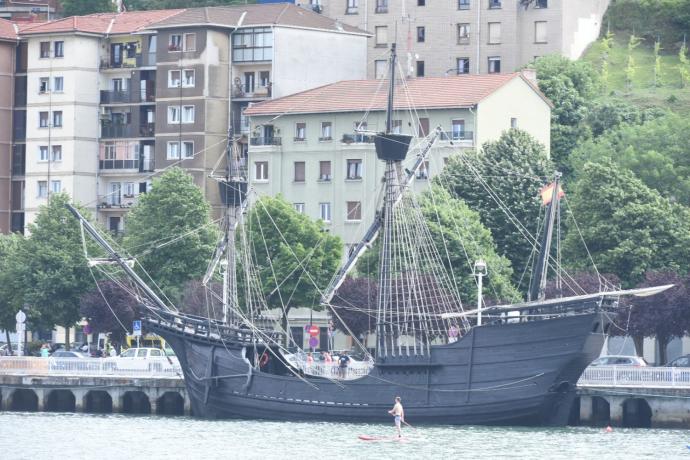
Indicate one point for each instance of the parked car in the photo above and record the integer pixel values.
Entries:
(63, 360)
(4, 349)
(68, 354)
(635, 361)
(153, 359)
(681, 361)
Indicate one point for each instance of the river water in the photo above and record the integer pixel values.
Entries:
(103, 437)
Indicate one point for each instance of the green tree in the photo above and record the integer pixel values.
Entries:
(172, 230)
(610, 114)
(683, 69)
(631, 68)
(656, 151)
(9, 304)
(606, 45)
(658, 76)
(628, 227)
(109, 309)
(570, 85)
(513, 168)
(81, 7)
(49, 268)
(295, 256)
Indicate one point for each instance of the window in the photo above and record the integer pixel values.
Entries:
(42, 188)
(261, 170)
(423, 171)
(264, 78)
(299, 171)
(45, 49)
(173, 78)
(463, 65)
(56, 154)
(493, 4)
(249, 82)
(382, 6)
(43, 153)
(188, 149)
(55, 186)
(541, 4)
(326, 134)
(494, 65)
(59, 49)
(513, 123)
(58, 84)
(324, 170)
(300, 131)
(131, 49)
(118, 84)
(360, 128)
(463, 4)
(396, 126)
(354, 169)
(463, 33)
(421, 2)
(254, 44)
(381, 35)
(110, 151)
(458, 129)
(188, 78)
(42, 119)
(494, 33)
(187, 114)
(540, 32)
(325, 212)
(423, 130)
(420, 68)
(175, 43)
(299, 207)
(421, 32)
(57, 119)
(43, 85)
(190, 42)
(173, 114)
(352, 6)
(173, 150)
(354, 210)
(380, 69)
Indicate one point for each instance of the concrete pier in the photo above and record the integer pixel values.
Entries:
(101, 394)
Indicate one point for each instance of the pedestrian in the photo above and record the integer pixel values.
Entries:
(327, 357)
(310, 359)
(453, 333)
(45, 350)
(343, 362)
(399, 413)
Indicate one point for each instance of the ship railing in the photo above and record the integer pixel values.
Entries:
(210, 328)
(629, 376)
(332, 370)
(98, 367)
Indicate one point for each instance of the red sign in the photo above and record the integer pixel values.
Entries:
(313, 330)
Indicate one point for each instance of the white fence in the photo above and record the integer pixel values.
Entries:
(626, 376)
(93, 367)
(354, 370)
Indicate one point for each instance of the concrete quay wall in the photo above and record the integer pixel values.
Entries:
(97, 394)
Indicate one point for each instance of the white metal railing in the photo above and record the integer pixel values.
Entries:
(332, 370)
(16, 365)
(628, 376)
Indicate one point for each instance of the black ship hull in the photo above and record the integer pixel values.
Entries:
(522, 373)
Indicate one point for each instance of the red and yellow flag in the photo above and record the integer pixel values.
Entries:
(547, 193)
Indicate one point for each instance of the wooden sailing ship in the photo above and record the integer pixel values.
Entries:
(518, 369)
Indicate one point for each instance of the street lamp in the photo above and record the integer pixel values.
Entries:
(480, 272)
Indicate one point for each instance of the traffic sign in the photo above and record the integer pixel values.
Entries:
(136, 328)
(313, 330)
(313, 342)
(20, 316)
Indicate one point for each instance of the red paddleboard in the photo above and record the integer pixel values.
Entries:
(366, 437)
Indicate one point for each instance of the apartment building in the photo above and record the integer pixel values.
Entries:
(103, 102)
(28, 10)
(8, 45)
(469, 36)
(322, 158)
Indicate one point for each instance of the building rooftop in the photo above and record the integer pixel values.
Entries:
(7, 30)
(100, 23)
(283, 14)
(371, 95)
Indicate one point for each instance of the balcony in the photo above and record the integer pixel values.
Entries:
(147, 130)
(120, 97)
(123, 63)
(357, 138)
(464, 137)
(116, 130)
(256, 141)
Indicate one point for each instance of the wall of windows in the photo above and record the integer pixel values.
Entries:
(252, 45)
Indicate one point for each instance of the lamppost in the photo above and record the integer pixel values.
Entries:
(480, 272)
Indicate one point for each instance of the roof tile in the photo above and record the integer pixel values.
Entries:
(361, 95)
(7, 30)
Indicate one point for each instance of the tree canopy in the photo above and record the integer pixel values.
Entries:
(110, 309)
(82, 7)
(355, 303)
(628, 227)
(171, 232)
(514, 167)
(9, 302)
(137, 5)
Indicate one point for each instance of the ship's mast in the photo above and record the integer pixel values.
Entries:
(537, 287)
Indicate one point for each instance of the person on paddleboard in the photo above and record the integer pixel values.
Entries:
(399, 413)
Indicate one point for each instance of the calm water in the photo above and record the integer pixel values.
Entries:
(76, 436)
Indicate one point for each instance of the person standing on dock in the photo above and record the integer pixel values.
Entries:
(399, 413)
